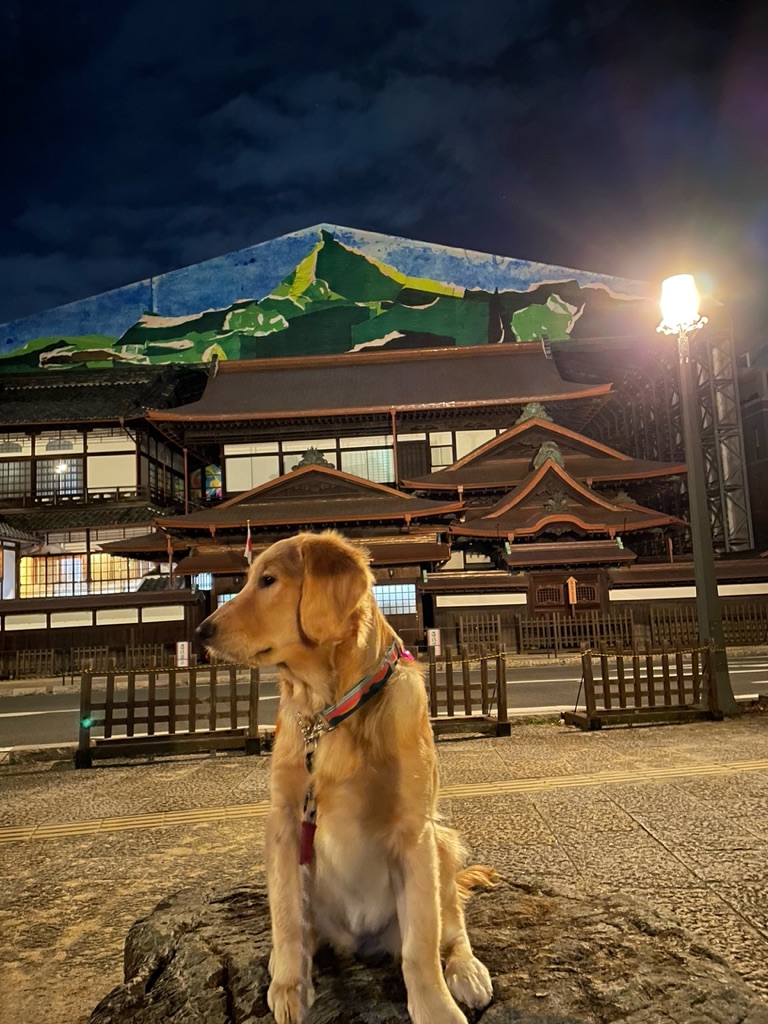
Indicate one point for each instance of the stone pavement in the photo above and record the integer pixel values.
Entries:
(676, 815)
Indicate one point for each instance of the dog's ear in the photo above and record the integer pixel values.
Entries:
(336, 578)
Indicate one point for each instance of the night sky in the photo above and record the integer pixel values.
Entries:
(623, 136)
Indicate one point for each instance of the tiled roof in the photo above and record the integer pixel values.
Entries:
(48, 520)
(367, 383)
(8, 532)
(73, 396)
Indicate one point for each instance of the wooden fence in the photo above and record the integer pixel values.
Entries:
(744, 623)
(638, 687)
(179, 710)
(558, 634)
(44, 664)
(470, 687)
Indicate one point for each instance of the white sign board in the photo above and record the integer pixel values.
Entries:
(434, 640)
(182, 654)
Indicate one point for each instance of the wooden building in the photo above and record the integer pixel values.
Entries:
(504, 438)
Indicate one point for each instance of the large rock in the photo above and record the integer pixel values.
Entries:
(555, 957)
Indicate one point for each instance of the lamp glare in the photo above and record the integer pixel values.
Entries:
(679, 301)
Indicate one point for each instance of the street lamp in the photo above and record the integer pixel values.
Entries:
(680, 316)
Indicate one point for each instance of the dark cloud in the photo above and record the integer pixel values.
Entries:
(143, 136)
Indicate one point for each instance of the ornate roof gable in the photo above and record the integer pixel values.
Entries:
(549, 500)
(506, 459)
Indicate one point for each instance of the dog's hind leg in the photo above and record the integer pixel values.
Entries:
(466, 977)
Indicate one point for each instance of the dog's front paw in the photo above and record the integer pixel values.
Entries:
(469, 981)
(290, 1003)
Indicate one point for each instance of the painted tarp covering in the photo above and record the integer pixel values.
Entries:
(328, 290)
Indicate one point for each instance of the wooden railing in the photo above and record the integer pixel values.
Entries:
(645, 686)
(470, 687)
(173, 711)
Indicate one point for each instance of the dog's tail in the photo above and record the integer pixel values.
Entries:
(478, 876)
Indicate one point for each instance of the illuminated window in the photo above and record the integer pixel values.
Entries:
(374, 464)
(396, 599)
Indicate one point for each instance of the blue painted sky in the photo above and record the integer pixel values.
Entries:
(626, 138)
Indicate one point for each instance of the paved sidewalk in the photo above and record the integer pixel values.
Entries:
(677, 815)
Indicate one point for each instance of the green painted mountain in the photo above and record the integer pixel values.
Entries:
(335, 300)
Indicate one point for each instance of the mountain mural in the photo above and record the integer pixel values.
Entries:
(338, 299)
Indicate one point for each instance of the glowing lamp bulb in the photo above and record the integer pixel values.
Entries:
(679, 301)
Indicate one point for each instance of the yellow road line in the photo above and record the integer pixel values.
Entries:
(232, 812)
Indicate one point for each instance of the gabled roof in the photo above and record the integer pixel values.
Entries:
(549, 500)
(379, 382)
(507, 460)
(312, 495)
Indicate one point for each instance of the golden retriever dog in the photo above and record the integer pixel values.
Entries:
(380, 872)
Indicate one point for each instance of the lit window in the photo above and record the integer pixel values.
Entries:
(396, 599)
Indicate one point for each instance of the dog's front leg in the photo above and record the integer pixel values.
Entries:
(418, 912)
(290, 994)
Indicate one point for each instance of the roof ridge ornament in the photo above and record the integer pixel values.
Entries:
(548, 452)
(533, 410)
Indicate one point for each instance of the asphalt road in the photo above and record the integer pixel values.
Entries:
(53, 717)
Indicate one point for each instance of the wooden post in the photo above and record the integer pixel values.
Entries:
(605, 674)
(449, 682)
(484, 680)
(151, 701)
(432, 682)
(83, 756)
(109, 702)
(649, 678)
(130, 698)
(665, 676)
(192, 723)
(589, 683)
(636, 677)
(252, 741)
(171, 701)
(466, 682)
(620, 676)
(680, 669)
(502, 718)
(213, 698)
(233, 696)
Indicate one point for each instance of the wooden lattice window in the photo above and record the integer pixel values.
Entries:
(550, 594)
(586, 593)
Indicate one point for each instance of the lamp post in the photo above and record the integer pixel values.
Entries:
(680, 316)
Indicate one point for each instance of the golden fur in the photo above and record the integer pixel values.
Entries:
(385, 873)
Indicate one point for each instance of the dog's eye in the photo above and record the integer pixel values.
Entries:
(266, 580)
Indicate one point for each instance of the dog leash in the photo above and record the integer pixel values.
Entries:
(312, 729)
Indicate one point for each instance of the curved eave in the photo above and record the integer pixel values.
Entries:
(512, 530)
(328, 517)
(448, 483)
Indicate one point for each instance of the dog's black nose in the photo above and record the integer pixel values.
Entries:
(206, 629)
